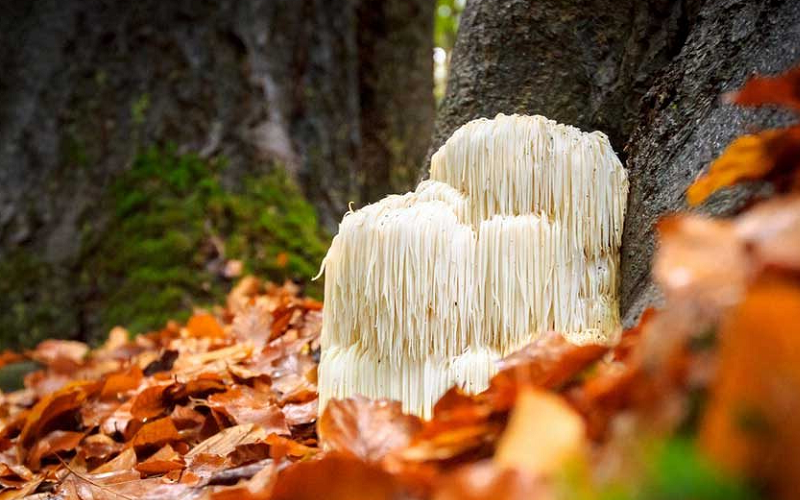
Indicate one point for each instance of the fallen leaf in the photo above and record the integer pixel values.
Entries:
(548, 362)
(771, 232)
(204, 325)
(246, 405)
(335, 477)
(123, 462)
(485, 480)
(51, 444)
(368, 429)
(156, 433)
(228, 439)
(164, 460)
(750, 425)
(149, 402)
(783, 89)
(700, 262)
(773, 153)
(301, 413)
(60, 355)
(68, 398)
(119, 384)
(543, 435)
(99, 446)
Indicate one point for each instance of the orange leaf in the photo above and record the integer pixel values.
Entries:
(335, 477)
(149, 402)
(543, 435)
(548, 362)
(51, 444)
(122, 462)
(746, 158)
(156, 433)
(164, 460)
(368, 429)
(204, 325)
(68, 398)
(246, 405)
(751, 422)
(60, 355)
(783, 89)
(485, 480)
(119, 383)
(282, 447)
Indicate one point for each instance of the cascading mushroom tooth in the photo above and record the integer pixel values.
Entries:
(517, 232)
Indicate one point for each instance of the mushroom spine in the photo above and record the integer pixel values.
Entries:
(517, 232)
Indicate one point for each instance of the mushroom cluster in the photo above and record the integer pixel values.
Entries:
(517, 232)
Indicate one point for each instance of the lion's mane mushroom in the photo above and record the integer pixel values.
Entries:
(516, 233)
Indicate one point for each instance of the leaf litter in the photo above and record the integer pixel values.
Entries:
(697, 401)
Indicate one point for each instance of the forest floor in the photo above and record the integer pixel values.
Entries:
(698, 401)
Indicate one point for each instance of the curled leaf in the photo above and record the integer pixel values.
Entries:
(368, 429)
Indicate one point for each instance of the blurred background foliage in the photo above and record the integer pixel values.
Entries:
(448, 13)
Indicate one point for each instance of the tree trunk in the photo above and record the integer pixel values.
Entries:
(336, 92)
(649, 74)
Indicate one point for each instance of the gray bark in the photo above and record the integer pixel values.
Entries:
(684, 125)
(337, 92)
(649, 74)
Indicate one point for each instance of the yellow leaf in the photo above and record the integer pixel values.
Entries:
(746, 158)
(543, 435)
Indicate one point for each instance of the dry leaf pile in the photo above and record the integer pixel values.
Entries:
(225, 406)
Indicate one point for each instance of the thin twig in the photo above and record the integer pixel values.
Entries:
(84, 478)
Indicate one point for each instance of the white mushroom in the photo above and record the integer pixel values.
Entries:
(516, 233)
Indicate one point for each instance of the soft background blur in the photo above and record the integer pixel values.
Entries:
(154, 151)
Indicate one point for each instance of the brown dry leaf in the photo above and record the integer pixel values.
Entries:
(232, 354)
(335, 477)
(751, 422)
(119, 384)
(783, 89)
(258, 487)
(302, 413)
(68, 398)
(771, 231)
(548, 362)
(485, 480)
(241, 294)
(253, 323)
(164, 460)
(121, 421)
(14, 475)
(281, 447)
(22, 492)
(156, 433)
(123, 462)
(149, 402)
(246, 405)
(700, 262)
(99, 446)
(462, 426)
(204, 325)
(51, 444)
(543, 435)
(228, 439)
(60, 355)
(369, 429)
(773, 153)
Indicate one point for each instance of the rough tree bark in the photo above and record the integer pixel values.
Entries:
(337, 92)
(649, 74)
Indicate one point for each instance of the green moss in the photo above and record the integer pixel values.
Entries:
(171, 220)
